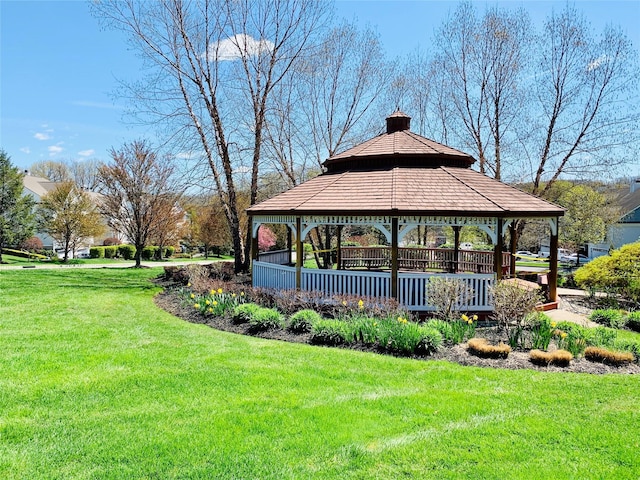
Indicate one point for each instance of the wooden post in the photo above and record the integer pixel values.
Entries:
(456, 248)
(339, 247)
(254, 243)
(513, 246)
(299, 253)
(289, 243)
(394, 258)
(497, 253)
(553, 262)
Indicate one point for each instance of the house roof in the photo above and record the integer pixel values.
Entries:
(38, 185)
(402, 173)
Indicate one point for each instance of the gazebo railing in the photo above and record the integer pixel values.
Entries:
(279, 257)
(345, 282)
(473, 261)
(412, 287)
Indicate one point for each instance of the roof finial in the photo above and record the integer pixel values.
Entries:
(398, 121)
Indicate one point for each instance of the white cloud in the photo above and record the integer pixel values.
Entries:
(42, 136)
(234, 47)
(55, 149)
(86, 153)
(26, 150)
(594, 64)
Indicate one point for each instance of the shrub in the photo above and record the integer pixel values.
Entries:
(149, 252)
(512, 304)
(617, 272)
(448, 295)
(633, 321)
(245, 312)
(331, 332)
(481, 348)
(603, 355)
(111, 241)
(303, 320)
(169, 251)
(96, 252)
(128, 252)
(110, 251)
(430, 342)
(266, 319)
(560, 358)
(609, 317)
(32, 244)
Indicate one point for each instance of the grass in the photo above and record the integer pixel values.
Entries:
(13, 260)
(97, 382)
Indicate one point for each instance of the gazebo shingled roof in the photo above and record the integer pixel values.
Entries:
(401, 173)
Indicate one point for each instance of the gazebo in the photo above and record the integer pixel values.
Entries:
(396, 182)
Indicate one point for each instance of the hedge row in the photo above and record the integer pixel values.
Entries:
(128, 252)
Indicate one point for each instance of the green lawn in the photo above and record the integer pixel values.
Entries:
(13, 260)
(98, 383)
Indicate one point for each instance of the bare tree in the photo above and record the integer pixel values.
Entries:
(84, 173)
(586, 88)
(70, 216)
(478, 69)
(135, 187)
(332, 104)
(213, 66)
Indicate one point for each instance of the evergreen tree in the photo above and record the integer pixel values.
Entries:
(16, 209)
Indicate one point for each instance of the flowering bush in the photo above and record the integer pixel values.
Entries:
(216, 302)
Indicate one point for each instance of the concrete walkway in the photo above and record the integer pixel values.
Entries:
(560, 314)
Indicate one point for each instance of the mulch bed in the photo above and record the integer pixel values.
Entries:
(169, 301)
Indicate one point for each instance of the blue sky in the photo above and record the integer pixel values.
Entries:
(59, 70)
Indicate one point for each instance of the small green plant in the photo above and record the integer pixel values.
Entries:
(266, 319)
(245, 312)
(633, 321)
(366, 330)
(331, 332)
(608, 317)
(542, 329)
(572, 338)
(302, 321)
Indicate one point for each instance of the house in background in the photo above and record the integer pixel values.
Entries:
(627, 228)
(37, 187)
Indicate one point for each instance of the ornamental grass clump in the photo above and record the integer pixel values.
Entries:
(559, 358)
(481, 348)
(266, 319)
(609, 357)
(303, 321)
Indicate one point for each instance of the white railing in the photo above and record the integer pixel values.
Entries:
(412, 287)
(345, 282)
(412, 291)
(270, 275)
